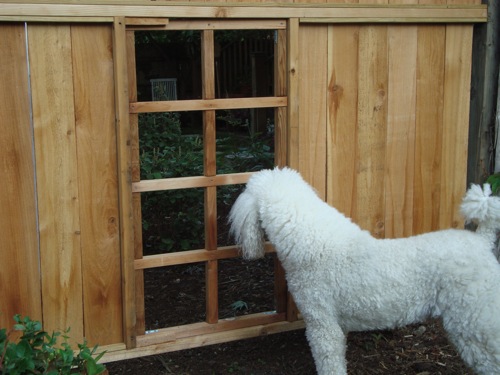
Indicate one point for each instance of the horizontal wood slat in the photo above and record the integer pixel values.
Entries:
(189, 182)
(204, 340)
(207, 104)
(203, 328)
(194, 24)
(191, 256)
(472, 18)
(140, 22)
(333, 12)
(56, 19)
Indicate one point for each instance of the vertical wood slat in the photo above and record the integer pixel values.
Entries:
(342, 117)
(280, 89)
(208, 91)
(457, 78)
(57, 180)
(428, 134)
(123, 134)
(140, 311)
(312, 115)
(280, 147)
(400, 152)
(293, 53)
(97, 178)
(18, 220)
(372, 123)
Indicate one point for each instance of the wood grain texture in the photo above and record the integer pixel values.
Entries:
(400, 144)
(280, 89)
(458, 59)
(98, 182)
(429, 128)
(19, 269)
(57, 179)
(124, 161)
(342, 130)
(369, 206)
(312, 114)
(359, 13)
(140, 325)
(293, 67)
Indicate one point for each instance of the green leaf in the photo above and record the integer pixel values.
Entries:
(494, 181)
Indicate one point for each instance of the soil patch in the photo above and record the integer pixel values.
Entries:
(175, 296)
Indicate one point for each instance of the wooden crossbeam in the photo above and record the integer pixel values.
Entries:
(359, 13)
(207, 104)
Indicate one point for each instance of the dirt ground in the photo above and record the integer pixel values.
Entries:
(420, 349)
(175, 296)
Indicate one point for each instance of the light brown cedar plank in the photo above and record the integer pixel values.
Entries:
(280, 89)
(431, 2)
(342, 116)
(19, 267)
(280, 153)
(461, 2)
(98, 182)
(124, 161)
(400, 154)
(312, 113)
(455, 123)
(203, 340)
(293, 67)
(208, 88)
(140, 326)
(207, 104)
(57, 180)
(429, 128)
(372, 122)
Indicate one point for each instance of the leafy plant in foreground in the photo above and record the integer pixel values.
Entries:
(38, 352)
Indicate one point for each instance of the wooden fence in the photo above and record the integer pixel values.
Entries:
(372, 104)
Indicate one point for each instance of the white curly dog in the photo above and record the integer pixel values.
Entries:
(343, 279)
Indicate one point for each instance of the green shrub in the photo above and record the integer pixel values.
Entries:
(174, 220)
(37, 352)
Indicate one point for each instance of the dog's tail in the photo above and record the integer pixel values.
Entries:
(245, 225)
(483, 208)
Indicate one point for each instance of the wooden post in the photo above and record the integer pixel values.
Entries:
(124, 180)
(208, 88)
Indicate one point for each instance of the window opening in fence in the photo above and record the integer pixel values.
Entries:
(192, 160)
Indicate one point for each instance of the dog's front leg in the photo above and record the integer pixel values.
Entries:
(328, 346)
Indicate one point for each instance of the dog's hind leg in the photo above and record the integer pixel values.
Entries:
(328, 347)
(475, 331)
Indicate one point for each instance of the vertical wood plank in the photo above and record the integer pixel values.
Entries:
(140, 326)
(400, 153)
(458, 58)
(369, 207)
(123, 136)
(428, 133)
(312, 115)
(208, 88)
(342, 119)
(293, 51)
(280, 89)
(280, 153)
(98, 182)
(18, 220)
(57, 179)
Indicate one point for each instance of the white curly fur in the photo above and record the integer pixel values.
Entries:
(343, 279)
